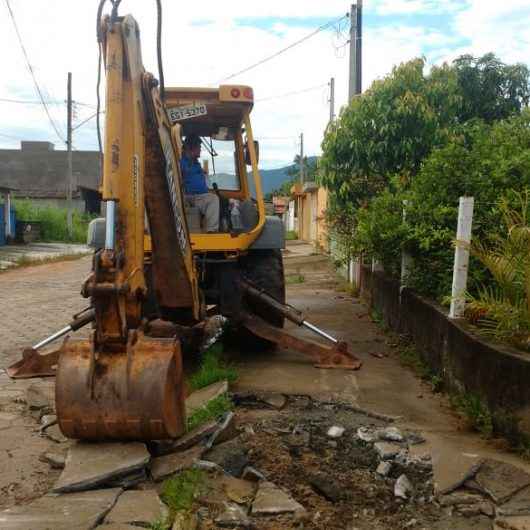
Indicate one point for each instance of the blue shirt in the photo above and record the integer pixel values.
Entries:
(193, 176)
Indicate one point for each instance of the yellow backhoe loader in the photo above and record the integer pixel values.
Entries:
(156, 273)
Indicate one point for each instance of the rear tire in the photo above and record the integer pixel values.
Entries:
(264, 268)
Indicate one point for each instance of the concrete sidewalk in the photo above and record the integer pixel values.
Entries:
(15, 255)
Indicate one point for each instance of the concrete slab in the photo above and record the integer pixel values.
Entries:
(73, 511)
(512, 523)
(140, 508)
(164, 466)
(200, 398)
(519, 504)
(501, 480)
(90, 465)
(271, 500)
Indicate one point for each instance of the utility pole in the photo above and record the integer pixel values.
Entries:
(331, 99)
(356, 48)
(302, 165)
(69, 174)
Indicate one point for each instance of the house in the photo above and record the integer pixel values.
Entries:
(311, 203)
(38, 172)
(7, 216)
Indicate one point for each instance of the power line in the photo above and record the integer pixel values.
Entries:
(294, 93)
(30, 68)
(283, 50)
(92, 116)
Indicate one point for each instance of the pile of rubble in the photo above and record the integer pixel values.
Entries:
(276, 463)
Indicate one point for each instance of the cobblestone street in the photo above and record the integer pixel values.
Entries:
(36, 301)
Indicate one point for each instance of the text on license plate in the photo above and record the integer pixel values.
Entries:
(185, 113)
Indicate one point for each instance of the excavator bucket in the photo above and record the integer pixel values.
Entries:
(137, 394)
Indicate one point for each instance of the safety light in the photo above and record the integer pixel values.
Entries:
(235, 92)
(248, 93)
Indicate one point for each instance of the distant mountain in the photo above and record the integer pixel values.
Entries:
(272, 179)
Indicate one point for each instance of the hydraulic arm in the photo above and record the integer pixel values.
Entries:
(122, 383)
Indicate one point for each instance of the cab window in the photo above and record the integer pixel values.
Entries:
(222, 168)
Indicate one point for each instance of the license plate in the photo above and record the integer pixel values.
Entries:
(185, 113)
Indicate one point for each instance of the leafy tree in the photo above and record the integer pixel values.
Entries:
(490, 89)
(389, 130)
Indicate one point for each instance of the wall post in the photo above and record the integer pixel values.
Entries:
(461, 265)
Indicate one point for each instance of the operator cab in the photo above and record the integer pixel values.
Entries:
(229, 156)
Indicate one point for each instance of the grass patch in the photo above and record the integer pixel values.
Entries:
(212, 369)
(294, 278)
(180, 491)
(291, 235)
(213, 410)
(160, 524)
(54, 221)
(475, 410)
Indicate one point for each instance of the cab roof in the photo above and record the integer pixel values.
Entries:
(225, 107)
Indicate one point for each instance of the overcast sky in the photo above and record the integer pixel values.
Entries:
(205, 41)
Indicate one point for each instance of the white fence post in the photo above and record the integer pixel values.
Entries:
(461, 266)
(406, 259)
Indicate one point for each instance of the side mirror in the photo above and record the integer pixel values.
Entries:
(248, 162)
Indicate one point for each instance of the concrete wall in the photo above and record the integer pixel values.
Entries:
(498, 374)
(311, 217)
(37, 170)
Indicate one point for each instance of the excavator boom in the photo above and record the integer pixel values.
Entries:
(122, 383)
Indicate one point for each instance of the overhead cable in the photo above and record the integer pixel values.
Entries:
(32, 73)
(283, 50)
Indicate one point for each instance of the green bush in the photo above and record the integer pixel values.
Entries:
(54, 221)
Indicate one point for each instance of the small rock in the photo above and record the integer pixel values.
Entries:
(390, 434)
(233, 517)
(56, 460)
(252, 474)
(414, 438)
(185, 521)
(226, 430)
(163, 466)
(336, 431)
(383, 469)
(386, 451)
(333, 444)
(487, 509)
(298, 438)
(366, 435)
(41, 396)
(403, 488)
(208, 466)
(48, 420)
(139, 508)
(53, 432)
(326, 486)
(274, 400)
(411, 523)
(271, 500)
(90, 465)
(239, 490)
(231, 456)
